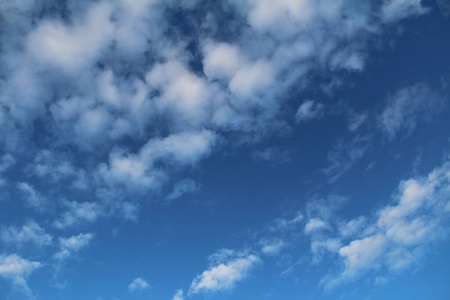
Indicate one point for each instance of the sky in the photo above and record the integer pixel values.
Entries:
(234, 149)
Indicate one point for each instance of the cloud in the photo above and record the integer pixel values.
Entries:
(346, 154)
(314, 225)
(16, 269)
(72, 47)
(273, 154)
(406, 108)
(6, 161)
(30, 232)
(444, 6)
(228, 268)
(33, 198)
(399, 234)
(309, 110)
(395, 10)
(272, 248)
(71, 245)
(185, 186)
(136, 172)
(138, 284)
(78, 213)
(178, 295)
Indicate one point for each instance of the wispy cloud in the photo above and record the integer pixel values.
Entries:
(138, 284)
(227, 269)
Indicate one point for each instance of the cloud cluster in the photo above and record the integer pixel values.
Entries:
(391, 240)
(109, 80)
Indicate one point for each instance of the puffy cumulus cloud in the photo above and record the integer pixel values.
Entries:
(137, 173)
(394, 238)
(30, 232)
(71, 245)
(228, 268)
(76, 46)
(406, 107)
(138, 284)
(16, 269)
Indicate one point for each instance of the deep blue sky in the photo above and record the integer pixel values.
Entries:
(253, 149)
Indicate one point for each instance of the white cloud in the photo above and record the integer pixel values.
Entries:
(222, 60)
(251, 79)
(30, 232)
(395, 10)
(73, 47)
(73, 244)
(309, 110)
(137, 172)
(272, 247)
(228, 269)
(14, 266)
(183, 187)
(16, 269)
(78, 213)
(400, 233)
(33, 198)
(178, 295)
(315, 225)
(406, 108)
(138, 284)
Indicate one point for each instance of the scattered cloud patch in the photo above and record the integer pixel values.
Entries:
(73, 244)
(30, 232)
(178, 295)
(185, 186)
(406, 108)
(227, 269)
(309, 110)
(138, 284)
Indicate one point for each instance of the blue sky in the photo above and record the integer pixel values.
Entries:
(251, 149)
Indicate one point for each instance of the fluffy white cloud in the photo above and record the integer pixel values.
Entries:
(73, 47)
(138, 284)
(228, 269)
(30, 232)
(137, 172)
(13, 265)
